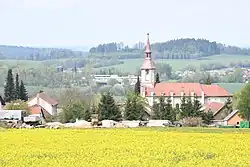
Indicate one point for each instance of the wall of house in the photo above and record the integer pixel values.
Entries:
(174, 100)
(222, 114)
(234, 120)
(216, 99)
(32, 102)
(48, 107)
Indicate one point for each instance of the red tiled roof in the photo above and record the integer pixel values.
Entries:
(215, 90)
(176, 88)
(214, 107)
(187, 88)
(35, 109)
(48, 99)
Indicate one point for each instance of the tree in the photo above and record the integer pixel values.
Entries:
(157, 78)
(9, 88)
(163, 110)
(108, 109)
(18, 105)
(208, 80)
(134, 107)
(17, 87)
(159, 108)
(191, 108)
(75, 110)
(207, 117)
(138, 86)
(243, 102)
(23, 95)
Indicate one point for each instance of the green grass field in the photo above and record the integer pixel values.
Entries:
(144, 147)
(131, 65)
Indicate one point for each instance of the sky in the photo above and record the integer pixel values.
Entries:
(91, 22)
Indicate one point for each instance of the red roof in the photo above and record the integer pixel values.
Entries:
(48, 99)
(214, 107)
(187, 89)
(215, 90)
(35, 109)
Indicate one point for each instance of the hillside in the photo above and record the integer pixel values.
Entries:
(188, 48)
(31, 53)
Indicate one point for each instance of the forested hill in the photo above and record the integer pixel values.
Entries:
(187, 48)
(29, 53)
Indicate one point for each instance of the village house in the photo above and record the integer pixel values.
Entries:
(222, 115)
(43, 104)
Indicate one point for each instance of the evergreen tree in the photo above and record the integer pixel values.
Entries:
(138, 86)
(169, 111)
(197, 108)
(108, 109)
(191, 109)
(157, 78)
(134, 108)
(17, 87)
(23, 95)
(163, 110)
(9, 88)
(159, 108)
(208, 80)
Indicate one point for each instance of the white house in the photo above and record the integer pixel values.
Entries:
(46, 102)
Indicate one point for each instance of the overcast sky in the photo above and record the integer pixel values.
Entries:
(90, 22)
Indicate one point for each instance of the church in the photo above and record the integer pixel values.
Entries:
(206, 94)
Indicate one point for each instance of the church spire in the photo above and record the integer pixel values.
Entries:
(148, 47)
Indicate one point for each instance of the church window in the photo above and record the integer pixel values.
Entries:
(147, 75)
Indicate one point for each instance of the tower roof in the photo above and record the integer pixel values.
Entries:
(148, 62)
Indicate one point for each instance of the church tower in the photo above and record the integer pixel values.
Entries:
(148, 69)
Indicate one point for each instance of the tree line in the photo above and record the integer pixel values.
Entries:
(37, 54)
(185, 48)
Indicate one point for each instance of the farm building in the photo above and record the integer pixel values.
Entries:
(45, 102)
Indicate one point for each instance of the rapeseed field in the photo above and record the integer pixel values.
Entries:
(142, 147)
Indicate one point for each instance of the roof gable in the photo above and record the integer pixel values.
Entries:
(214, 107)
(46, 98)
(232, 114)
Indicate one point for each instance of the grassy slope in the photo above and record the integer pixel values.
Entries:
(130, 65)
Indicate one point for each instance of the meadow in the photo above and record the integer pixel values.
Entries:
(154, 147)
(131, 65)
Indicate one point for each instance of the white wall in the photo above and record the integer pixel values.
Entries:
(216, 99)
(151, 77)
(48, 107)
(177, 100)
